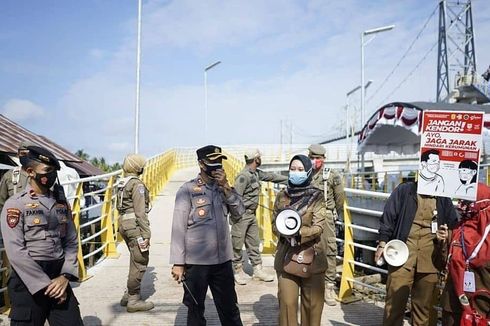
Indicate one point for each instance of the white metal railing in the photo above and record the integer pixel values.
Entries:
(348, 280)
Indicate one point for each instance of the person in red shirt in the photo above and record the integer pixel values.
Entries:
(470, 255)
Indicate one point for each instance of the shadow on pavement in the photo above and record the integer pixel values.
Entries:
(266, 310)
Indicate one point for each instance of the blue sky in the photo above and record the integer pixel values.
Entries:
(68, 67)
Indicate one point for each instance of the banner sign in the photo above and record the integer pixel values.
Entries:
(450, 148)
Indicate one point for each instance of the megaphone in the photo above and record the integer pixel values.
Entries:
(395, 253)
(288, 222)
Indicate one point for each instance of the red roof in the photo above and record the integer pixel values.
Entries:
(12, 134)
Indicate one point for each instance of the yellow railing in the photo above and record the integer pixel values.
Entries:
(97, 222)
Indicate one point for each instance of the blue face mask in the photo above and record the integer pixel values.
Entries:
(298, 177)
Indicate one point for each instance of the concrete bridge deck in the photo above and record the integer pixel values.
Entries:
(99, 296)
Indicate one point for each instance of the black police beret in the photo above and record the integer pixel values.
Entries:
(211, 153)
(42, 155)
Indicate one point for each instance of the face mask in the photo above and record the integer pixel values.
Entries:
(297, 177)
(210, 167)
(317, 163)
(46, 180)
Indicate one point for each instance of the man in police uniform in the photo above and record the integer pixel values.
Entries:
(330, 182)
(15, 180)
(200, 248)
(42, 243)
(246, 230)
(133, 204)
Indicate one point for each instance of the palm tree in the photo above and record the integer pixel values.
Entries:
(82, 155)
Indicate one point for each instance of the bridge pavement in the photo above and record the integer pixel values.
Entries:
(99, 296)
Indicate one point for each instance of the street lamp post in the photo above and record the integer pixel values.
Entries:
(351, 126)
(373, 32)
(211, 66)
(138, 68)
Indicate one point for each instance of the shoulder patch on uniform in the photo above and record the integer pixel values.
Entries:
(141, 189)
(241, 179)
(13, 217)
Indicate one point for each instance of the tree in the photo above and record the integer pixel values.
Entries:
(81, 154)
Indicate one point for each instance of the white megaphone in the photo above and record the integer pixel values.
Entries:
(288, 222)
(395, 253)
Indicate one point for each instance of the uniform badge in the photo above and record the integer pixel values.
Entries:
(200, 201)
(197, 189)
(32, 205)
(201, 212)
(141, 190)
(37, 220)
(13, 217)
(200, 182)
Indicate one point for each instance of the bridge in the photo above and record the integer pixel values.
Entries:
(104, 258)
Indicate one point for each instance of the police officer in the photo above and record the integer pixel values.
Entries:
(133, 204)
(200, 248)
(330, 182)
(15, 180)
(42, 244)
(246, 230)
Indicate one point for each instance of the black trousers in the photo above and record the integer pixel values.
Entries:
(221, 281)
(34, 310)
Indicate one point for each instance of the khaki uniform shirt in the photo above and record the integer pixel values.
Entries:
(38, 228)
(312, 224)
(133, 202)
(13, 182)
(200, 229)
(420, 240)
(247, 185)
(335, 195)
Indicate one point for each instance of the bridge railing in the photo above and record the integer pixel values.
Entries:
(360, 225)
(97, 221)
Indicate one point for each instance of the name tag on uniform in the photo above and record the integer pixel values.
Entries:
(469, 281)
(433, 226)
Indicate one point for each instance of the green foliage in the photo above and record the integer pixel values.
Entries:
(99, 162)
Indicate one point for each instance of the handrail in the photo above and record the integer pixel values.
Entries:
(97, 223)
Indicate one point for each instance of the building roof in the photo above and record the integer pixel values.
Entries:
(396, 126)
(11, 134)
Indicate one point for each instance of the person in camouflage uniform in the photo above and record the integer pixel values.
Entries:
(330, 182)
(133, 204)
(245, 230)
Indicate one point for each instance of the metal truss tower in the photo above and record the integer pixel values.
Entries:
(456, 50)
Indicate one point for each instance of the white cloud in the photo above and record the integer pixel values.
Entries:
(22, 110)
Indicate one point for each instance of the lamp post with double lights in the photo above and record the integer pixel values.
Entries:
(211, 66)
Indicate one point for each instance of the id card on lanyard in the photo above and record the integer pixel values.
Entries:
(469, 276)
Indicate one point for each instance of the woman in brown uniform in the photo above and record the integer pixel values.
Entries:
(308, 201)
(133, 204)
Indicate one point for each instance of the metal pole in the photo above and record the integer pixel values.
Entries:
(138, 68)
(205, 106)
(362, 79)
(362, 93)
(206, 98)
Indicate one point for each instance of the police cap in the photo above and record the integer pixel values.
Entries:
(317, 150)
(24, 144)
(251, 154)
(210, 153)
(42, 155)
